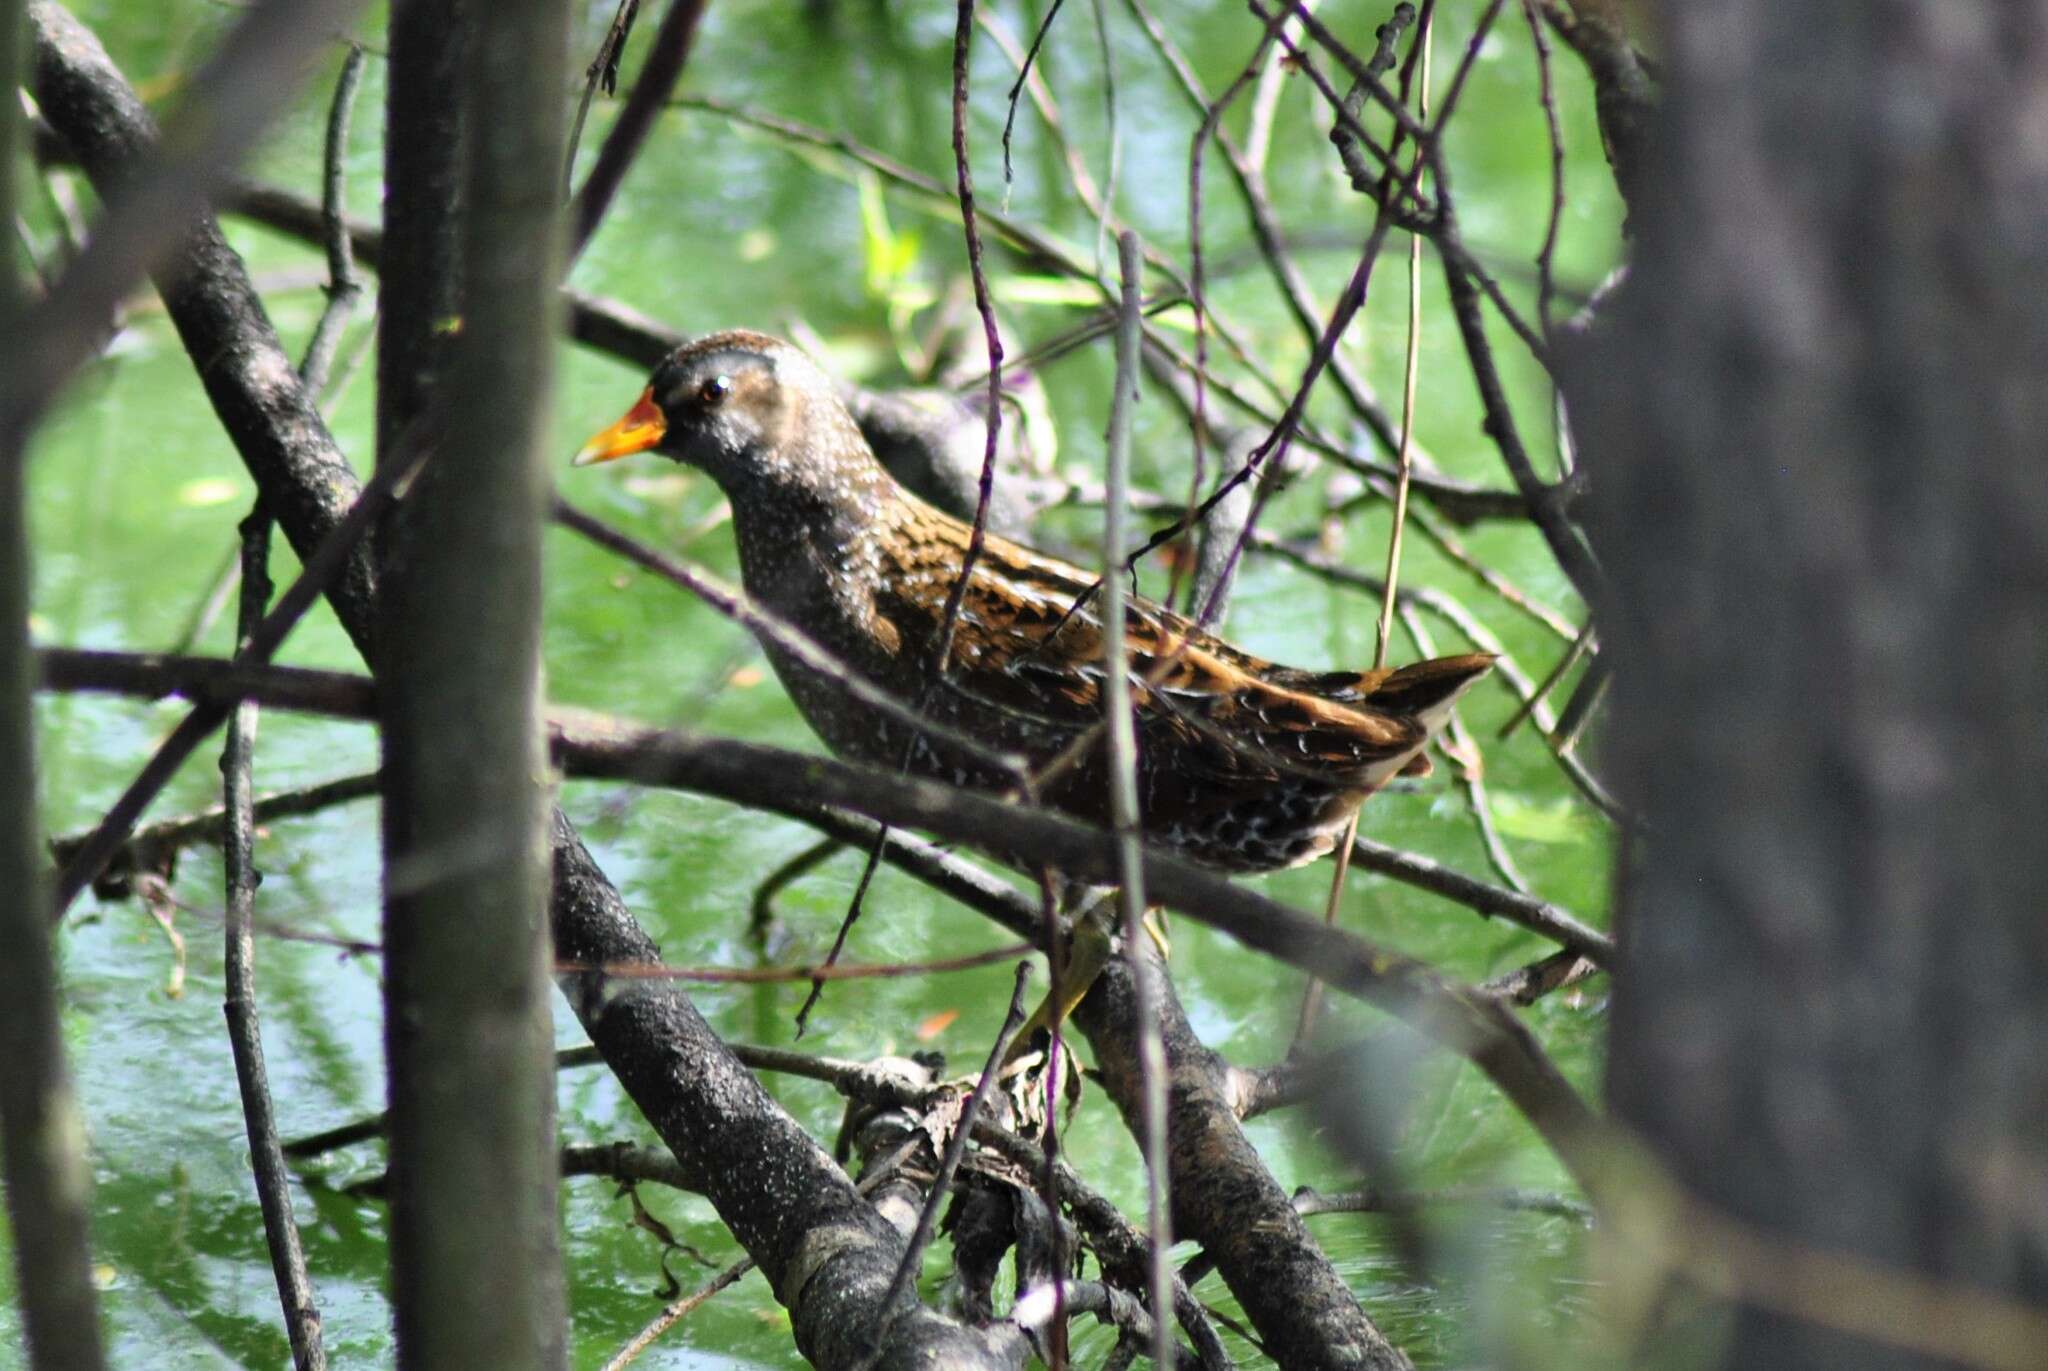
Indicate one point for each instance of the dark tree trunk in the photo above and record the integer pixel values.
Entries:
(476, 1270)
(42, 1157)
(419, 256)
(1817, 418)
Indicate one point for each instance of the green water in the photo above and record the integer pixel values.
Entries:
(135, 498)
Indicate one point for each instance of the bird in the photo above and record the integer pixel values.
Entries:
(1243, 765)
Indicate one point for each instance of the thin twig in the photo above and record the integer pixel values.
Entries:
(1272, 451)
(762, 908)
(1123, 806)
(1570, 659)
(156, 894)
(1212, 121)
(1411, 372)
(1553, 126)
(666, 59)
(1466, 503)
(602, 73)
(210, 826)
(963, 35)
(1309, 1202)
(1439, 227)
(1116, 1242)
(1579, 706)
(1470, 766)
(675, 1313)
(1538, 916)
(219, 591)
(1112, 119)
(1454, 550)
(1017, 87)
(1386, 39)
(1270, 479)
(245, 1031)
(1042, 99)
(327, 562)
(1565, 542)
(1404, 471)
(771, 628)
(832, 970)
(942, 1183)
(847, 920)
(343, 286)
(1267, 234)
(226, 107)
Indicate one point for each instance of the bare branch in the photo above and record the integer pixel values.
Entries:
(343, 286)
(598, 747)
(658, 76)
(245, 1032)
(227, 107)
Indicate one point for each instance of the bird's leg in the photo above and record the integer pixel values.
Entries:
(1155, 926)
(1088, 950)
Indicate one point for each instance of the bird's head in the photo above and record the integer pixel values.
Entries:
(748, 410)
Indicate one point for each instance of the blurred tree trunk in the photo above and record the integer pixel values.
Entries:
(419, 262)
(42, 1138)
(1818, 415)
(476, 1271)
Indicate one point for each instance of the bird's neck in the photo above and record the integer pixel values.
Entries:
(810, 531)
(815, 472)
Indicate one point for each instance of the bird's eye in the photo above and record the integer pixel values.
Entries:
(714, 390)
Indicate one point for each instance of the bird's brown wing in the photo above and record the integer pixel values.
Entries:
(1026, 662)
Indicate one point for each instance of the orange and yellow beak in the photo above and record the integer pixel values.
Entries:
(641, 429)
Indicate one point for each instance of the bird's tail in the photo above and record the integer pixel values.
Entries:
(1427, 690)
